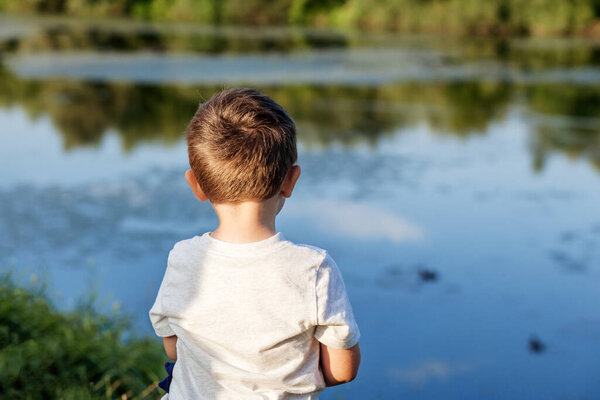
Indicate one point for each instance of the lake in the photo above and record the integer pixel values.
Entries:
(456, 181)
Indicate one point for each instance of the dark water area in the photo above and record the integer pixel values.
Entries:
(455, 182)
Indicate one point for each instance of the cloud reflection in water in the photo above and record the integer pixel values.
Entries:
(356, 220)
(430, 370)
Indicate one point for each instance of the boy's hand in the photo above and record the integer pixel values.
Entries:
(170, 343)
(339, 366)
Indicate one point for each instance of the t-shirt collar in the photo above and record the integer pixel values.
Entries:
(240, 249)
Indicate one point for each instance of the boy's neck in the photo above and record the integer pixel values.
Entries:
(246, 222)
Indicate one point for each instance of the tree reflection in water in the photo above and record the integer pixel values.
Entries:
(564, 117)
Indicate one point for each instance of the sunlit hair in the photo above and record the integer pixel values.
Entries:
(241, 145)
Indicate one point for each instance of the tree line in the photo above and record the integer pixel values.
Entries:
(489, 17)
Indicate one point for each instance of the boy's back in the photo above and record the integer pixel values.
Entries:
(245, 313)
(248, 316)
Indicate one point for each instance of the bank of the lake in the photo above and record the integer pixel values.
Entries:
(81, 354)
(489, 17)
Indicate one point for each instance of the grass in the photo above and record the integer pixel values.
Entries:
(82, 354)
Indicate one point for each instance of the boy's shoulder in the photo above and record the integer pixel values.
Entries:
(308, 249)
(184, 246)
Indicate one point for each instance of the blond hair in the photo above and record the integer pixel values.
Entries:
(241, 145)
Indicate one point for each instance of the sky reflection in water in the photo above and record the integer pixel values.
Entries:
(462, 214)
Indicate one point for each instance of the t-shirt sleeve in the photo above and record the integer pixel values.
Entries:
(158, 314)
(336, 326)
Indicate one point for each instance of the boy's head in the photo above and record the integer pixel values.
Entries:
(241, 146)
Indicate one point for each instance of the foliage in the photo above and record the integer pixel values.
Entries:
(470, 16)
(539, 17)
(47, 354)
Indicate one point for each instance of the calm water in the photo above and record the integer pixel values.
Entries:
(456, 182)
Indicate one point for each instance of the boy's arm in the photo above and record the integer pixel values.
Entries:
(339, 366)
(170, 343)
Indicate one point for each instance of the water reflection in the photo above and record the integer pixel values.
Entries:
(358, 221)
(430, 370)
(564, 119)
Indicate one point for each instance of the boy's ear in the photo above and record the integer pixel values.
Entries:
(190, 178)
(290, 181)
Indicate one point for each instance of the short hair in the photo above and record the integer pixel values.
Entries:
(241, 145)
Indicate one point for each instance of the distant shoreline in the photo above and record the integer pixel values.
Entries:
(459, 17)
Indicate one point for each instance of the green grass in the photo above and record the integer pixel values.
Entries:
(83, 354)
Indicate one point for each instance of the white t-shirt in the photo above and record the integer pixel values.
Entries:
(248, 318)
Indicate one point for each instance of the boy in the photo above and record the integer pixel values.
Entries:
(246, 313)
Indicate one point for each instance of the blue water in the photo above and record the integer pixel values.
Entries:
(463, 243)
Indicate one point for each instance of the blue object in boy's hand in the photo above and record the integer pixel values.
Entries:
(165, 383)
